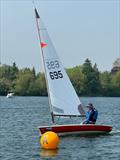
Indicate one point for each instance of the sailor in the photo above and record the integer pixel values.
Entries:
(91, 114)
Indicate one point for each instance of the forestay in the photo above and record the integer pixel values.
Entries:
(63, 98)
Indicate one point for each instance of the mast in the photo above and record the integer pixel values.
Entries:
(42, 55)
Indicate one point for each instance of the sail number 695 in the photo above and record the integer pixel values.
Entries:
(55, 75)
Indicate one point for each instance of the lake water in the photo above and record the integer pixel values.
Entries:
(19, 135)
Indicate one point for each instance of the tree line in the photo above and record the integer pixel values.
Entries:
(86, 79)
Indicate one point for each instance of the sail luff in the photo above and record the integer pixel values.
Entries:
(42, 55)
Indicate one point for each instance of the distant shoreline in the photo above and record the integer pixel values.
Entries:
(78, 96)
(86, 79)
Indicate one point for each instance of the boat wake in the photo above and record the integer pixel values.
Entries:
(115, 131)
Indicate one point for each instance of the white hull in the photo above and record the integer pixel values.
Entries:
(10, 95)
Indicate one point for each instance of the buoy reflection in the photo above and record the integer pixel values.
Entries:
(48, 152)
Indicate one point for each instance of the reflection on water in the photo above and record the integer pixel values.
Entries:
(48, 152)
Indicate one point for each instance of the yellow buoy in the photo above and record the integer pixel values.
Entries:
(49, 140)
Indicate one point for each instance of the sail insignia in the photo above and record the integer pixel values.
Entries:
(43, 44)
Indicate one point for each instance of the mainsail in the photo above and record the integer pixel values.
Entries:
(63, 98)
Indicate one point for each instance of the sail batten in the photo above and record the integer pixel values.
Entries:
(62, 95)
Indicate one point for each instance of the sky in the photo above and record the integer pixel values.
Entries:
(79, 29)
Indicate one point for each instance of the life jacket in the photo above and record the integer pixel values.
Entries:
(94, 115)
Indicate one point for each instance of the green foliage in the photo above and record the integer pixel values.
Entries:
(115, 79)
(76, 76)
(86, 79)
(105, 79)
(38, 87)
(91, 82)
(5, 86)
(41, 85)
(24, 80)
(8, 75)
(9, 72)
(29, 84)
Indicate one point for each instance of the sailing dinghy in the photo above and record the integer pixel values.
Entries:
(63, 100)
